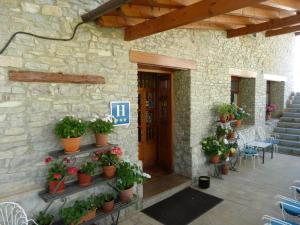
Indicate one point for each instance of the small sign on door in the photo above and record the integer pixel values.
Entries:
(120, 112)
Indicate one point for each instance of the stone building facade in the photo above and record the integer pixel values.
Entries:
(29, 111)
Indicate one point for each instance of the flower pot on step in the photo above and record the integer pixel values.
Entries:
(108, 206)
(215, 159)
(231, 135)
(84, 179)
(223, 119)
(101, 140)
(238, 123)
(232, 117)
(126, 195)
(56, 187)
(109, 171)
(71, 145)
(225, 169)
(87, 217)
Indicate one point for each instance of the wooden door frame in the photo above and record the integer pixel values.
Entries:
(169, 72)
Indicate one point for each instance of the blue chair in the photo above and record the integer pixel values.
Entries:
(250, 152)
(296, 189)
(274, 221)
(288, 206)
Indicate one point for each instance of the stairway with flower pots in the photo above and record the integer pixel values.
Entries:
(288, 128)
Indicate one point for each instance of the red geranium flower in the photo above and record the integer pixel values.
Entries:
(95, 158)
(67, 160)
(57, 176)
(48, 160)
(116, 151)
(72, 170)
(100, 152)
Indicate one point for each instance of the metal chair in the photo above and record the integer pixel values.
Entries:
(13, 214)
(296, 189)
(248, 152)
(288, 206)
(274, 221)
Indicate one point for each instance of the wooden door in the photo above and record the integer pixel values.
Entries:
(164, 119)
(147, 125)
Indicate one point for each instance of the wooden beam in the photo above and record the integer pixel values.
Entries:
(164, 3)
(289, 5)
(102, 9)
(161, 60)
(281, 31)
(30, 76)
(297, 33)
(189, 14)
(118, 21)
(273, 24)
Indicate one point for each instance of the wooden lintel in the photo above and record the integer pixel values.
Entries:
(198, 11)
(30, 76)
(273, 24)
(161, 60)
(284, 30)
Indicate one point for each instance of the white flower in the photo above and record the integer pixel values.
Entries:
(93, 120)
(225, 141)
(79, 121)
(147, 175)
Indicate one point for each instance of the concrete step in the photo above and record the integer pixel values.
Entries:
(288, 125)
(293, 110)
(294, 105)
(291, 114)
(290, 119)
(289, 143)
(287, 130)
(288, 150)
(296, 101)
(147, 202)
(285, 136)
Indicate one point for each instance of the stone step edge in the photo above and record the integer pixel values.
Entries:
(292, 141)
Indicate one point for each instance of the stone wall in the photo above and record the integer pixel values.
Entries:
(28, 111)
(277, 90)
(247, 98)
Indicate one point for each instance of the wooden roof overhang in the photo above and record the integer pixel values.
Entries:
(141, 18)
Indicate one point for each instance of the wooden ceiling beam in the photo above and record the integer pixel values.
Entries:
(289, 5)
(285, 30)
(297, 33)
(273, 24)
(189, 14)
(165, 3)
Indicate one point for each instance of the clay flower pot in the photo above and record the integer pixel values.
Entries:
(108, 206)
(71, 145)
(89, 216)
(231, 135)
(232, 154)
(84, 179)
(215, 159)
(223, 119)
(101, 140)
(53, 189)
(109, 171)
(238, 123)
(231, 117)
(126, 195)
(225, 169)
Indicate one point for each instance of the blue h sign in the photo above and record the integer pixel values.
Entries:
(121, 112)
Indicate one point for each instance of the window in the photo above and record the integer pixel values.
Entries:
(235, 89)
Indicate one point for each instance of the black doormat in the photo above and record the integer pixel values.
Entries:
(183, 207)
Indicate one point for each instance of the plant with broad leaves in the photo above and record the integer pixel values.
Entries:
(59, 168)
(102, 126)
(88, 168)
(108, 158)
(70, 127)
(44, 219)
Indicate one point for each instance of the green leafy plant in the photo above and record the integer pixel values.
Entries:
(102, 198)
(44, 218)
(224, 110)
(212, 146)
(102, 126)
(232, 109)
(241, 114)
(80, 208)
(58, 169)
(70, 127)
(108, 158)
(129, 174)
(221, 131)
(88, 168)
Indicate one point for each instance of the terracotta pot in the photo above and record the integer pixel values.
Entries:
(231, 135)
(84, 179)
(225, 169)
(126, 195)
(109, 171)
(232, 154)
(223, 119)
(108, 206)
(89, 216)
(238, 123)
(71, 145)
(226, 155)
(231, 117)
(53, 186)
(101, 140)
(215, 159)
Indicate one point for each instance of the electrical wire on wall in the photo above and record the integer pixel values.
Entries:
(39, 36)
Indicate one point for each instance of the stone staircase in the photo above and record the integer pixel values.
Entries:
(288, 128)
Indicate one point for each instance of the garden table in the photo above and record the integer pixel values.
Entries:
(263, 146)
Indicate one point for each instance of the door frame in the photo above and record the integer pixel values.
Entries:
(169, 72)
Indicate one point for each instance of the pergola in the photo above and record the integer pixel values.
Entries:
(141, 18)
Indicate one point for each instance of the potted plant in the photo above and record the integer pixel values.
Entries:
(85, 173)
(225, 169)
(57, 170)
(101, 128)
(222, 130)
(127, 176)
(106, 201)
(81, 212)
(232, 109)
(44, 219)
(70, 129)
(233, 149)
(240, 115)
(108, 160)
(269, 109)
(223, 112)
(231, 134)
(213, 148)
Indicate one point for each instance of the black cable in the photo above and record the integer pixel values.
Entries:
(39, 36)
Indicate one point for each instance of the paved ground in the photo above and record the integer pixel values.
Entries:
(248, 194)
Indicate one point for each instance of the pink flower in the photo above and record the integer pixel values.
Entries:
(67, 160)
(95, 158)
(116, 151)
(72, 170)
(48, 160)
(57, 176)
(100, 152)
